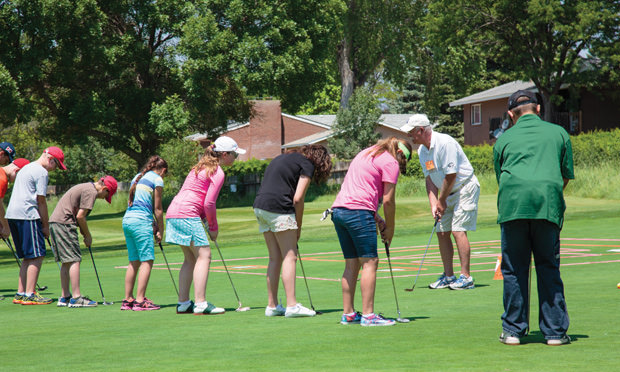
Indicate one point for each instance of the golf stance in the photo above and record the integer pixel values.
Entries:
(279, 209)
(144, 202)
(68, 217)
(194, 203)
(28, 221)
(453, 191)
(533, 163)
(372, 176)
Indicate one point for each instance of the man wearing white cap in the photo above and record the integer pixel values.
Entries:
(453, 191)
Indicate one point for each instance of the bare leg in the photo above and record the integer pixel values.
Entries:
(349, 284)
(130, 279)
(187, 273)
(273, 268)
(201, 272)
(74, 275)
(143, 279)
(447, 252)
(23, 274)
(368, 283)
(33, 267)
(287, 242)
(65, 278)
(462, 244)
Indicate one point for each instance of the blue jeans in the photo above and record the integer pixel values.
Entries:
(521, 238)
(356, 232)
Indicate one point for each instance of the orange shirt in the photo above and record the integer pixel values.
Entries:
(4, 183)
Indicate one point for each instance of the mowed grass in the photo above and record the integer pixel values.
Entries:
(450, 330)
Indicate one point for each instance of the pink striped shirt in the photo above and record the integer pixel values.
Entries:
(197, 197)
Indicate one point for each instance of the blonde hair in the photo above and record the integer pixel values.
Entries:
(208, 162)
(391, 145)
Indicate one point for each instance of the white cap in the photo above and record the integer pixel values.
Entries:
(227, 144)
(416, 120)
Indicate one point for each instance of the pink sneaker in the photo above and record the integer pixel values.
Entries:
(145, 305)
(127, 305)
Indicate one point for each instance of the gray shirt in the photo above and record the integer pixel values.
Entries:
(30, 182)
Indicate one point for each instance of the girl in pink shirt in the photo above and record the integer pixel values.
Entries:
(372, 176)
(192, 207)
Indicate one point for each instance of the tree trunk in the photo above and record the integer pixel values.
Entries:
(347, 77)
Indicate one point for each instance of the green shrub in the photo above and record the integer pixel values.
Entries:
(596, 147)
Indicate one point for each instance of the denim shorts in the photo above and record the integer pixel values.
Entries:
(139, 239)
(356, 231)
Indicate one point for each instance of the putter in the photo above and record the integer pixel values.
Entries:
(241, 307)
(169, 271)
(399, 319)
(98, 281)
(8, 243)
(423, 257)
(306, 281)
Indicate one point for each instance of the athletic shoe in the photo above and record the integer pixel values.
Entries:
(127, 305)
(559, 341)
(208, 309)
(63, 301)
(18, 299)
(374, 320)
(82, 301)
(463, 282)
(298, 311)
(36, 299)
(442, 282)
(508, 339)
(145, 305)
(279, 310)
(186, 308)
(353, 318)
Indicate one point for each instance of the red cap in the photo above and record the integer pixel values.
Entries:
(112, 185)
(20, 162)
(58, 155)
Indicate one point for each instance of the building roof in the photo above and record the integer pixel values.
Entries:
(502, 91)
(309, 140)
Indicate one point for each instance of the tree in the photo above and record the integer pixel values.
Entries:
(355, 127)
(544, 41)
(376, 33)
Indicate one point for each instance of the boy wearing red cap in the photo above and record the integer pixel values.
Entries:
(7, 174)
(28, 221)
(69, 215)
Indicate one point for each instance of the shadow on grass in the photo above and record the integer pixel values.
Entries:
(536, 337)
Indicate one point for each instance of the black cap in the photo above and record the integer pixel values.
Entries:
(512, 101)
(9, 149)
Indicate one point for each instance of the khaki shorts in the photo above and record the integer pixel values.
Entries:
(65, 242)
(276, 222)
(462, 209)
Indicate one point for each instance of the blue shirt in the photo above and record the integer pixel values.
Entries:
(142, 207)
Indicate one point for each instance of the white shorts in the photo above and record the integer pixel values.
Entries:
(276, 222)
(462, 209)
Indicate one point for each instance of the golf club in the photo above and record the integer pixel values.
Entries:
(423, 257)
(54, 252)
(241, 307)
(98, 281)
(387, 252)
(8, 243)
(306, 281)
(169, 271)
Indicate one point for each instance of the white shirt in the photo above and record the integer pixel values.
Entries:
(31, 181)
(445, 157)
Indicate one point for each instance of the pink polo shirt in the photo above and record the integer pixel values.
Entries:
(363, 184)
(197, 197)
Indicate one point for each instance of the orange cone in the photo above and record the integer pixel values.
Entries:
(498, 269)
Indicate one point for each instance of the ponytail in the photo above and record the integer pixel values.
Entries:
(154, 162)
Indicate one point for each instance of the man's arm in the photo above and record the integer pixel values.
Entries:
(5, 232)
(81, 221)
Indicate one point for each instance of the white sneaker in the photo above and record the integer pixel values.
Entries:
(279, 310)
(298, 311)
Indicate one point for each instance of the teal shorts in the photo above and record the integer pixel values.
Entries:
(139, 239)
(184, 231)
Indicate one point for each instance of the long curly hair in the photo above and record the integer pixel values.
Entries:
(319, 156)
(155, 162)
(390, 145)
(208, 162)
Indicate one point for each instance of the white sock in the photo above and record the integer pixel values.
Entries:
(200, 306)
(28, 294)
(368, 315)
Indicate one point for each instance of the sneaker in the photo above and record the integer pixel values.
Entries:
(463, 282)
(374, 320)
(298, 311)
(185, 308)
(18, 299)
(82, 301)
(559, 341)
(63, 301)
(144, 305)
(208, 309)
(36, 299)
(442, 282)
(127, 305)
(279, 310)
(509, 339)
(353, 318)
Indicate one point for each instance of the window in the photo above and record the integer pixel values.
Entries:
(476, 115)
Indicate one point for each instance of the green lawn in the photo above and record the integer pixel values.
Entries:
(450, 330)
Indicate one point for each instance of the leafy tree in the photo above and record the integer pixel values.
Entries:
(355, 127)
(541, 40)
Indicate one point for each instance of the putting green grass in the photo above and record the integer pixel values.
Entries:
(449, 330)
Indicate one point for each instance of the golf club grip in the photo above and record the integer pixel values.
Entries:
(387, 248)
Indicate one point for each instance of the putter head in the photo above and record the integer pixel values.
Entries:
(410, 289)
(244, 308)
(107, 303)
(43, 288)
(402, 320)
